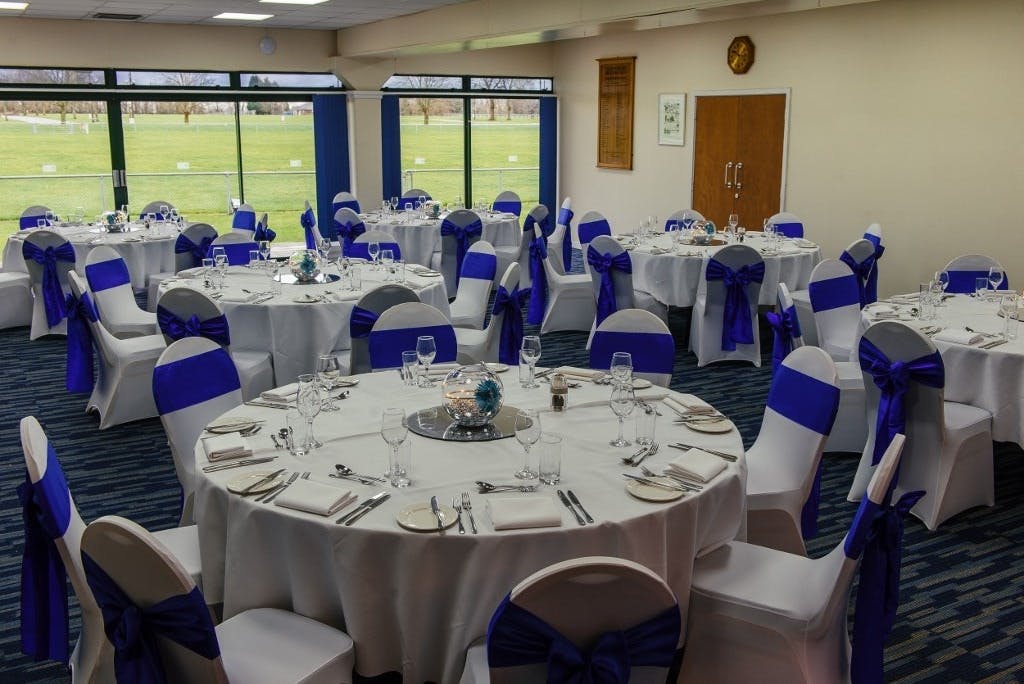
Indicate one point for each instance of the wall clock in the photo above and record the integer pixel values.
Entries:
(741, 54)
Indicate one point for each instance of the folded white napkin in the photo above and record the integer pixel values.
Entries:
(523, 512)
(239, 298)
(441, 369)
(222, 447)
(580, 373)
(679, 407)
(281, 395)
(315, 497)
(958, 336)
(696, 464)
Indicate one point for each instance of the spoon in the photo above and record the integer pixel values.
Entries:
(345, 470)
(488, 488)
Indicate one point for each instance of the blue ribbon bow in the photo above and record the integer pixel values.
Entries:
(507, 304)
(786, 327)
(53, 294)
(185, 245)
(462, 235)
(871, 286)
(737, 327)
(893, 379)
(176, 328)
(539, 285)
(565, 216)
(863, 272)
(263, 232)
(604, 264)
(347, 232)
(545, 226)
(361, 321)
(308, 221)
(78, 374)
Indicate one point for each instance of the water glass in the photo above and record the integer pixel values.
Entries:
(400, 465)
(295, 424)
(524, 372)
(980, 287)
(410, 364)
(308, 401)
(622, 368)
(528, 431)
(645, 423)
(254, 258)
(550, 458)
(1008, 307)
(399, 271)
(356, 278)
(926, 302)
(328, 371)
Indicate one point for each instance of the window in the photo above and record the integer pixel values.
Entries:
(286, 81)
(432, 142)
(173, 79)
(51, 77)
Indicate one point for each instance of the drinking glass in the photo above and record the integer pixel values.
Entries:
(264, 246)
(652, 223)
(41, 223)
(323, 246)
(393, 429)
(550, 458)
(373, 249)
(527, 434)
(207, 268)
(980, 287)
(394, 203)
(410, 362)
(328, 370)
(530, 352)
(926, 303)
(942, 280)
(426, 350)
(165, 212)
(308, 402)
(995, 276)
(79, 214)
(646, 420)
(734, 220)
(622, 368)
(1008, 307)
(151, 218)
(387, 258)
(622, 402)
(254, 258)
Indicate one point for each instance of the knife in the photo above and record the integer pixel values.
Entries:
(572, 497)
(655, 483)
(214, 467)
(262, 481)
(366, 505)
(370, 505)
(437, 512)
(561, 495)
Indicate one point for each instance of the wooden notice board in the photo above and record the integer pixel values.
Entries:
(615, 113)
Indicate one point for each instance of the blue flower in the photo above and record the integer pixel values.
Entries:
(488, 396)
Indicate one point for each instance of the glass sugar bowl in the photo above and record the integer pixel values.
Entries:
(472, 395)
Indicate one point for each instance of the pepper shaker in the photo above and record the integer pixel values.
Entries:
(559, 392)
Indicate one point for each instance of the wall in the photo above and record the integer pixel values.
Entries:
(906, 112)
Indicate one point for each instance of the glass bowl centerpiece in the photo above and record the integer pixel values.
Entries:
(472, 395)
(305, 265)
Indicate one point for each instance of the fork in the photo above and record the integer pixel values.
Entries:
(651, 450)
(469, 509)
(457, 505)
(679, 480)
(269, 496)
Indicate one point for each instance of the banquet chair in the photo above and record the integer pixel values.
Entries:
(310, 230)
(190, 248)
(563, 301)
(346, 200)
(873, 234)
(263, 231)
(783, 478)
(964, 269)
(785, 324)
(460, 229)
(244, 219)
(31, 216)
(501, 339)
(184, 312)
(508, 202)
(573, 607)
(15, 300)
(364, 314)
(195, 381)
(787, 224)
(237, 245)
(476, 277)
(860, 257)
(411, 196)
(949, 444)
(48, 504)
(397, 329)
(762, 615)
(590, 226)
(49, 257)
(111, 288)
(645, 336)
(347, 227)
(683, 217)
(359, 248)
(611, 277)
(121, 391)
(135, 577)
(154, 208)
(561, 239)
(521, 253)
(722, 325)
(835, 301)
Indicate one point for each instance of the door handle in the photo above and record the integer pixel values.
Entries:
(736, 179)
(727, 167)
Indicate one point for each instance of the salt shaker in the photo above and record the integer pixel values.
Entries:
(559, 392)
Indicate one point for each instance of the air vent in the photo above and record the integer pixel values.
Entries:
(116, 16)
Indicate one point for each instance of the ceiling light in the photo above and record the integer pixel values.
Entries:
(243, 16)
(294, 2)
(13, 5)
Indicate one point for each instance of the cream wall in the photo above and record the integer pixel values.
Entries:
(906, 112)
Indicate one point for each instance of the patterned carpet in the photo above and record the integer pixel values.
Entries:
(961, 616)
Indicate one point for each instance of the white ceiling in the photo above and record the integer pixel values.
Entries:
(333, 14)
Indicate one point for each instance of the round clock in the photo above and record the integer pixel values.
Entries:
(741, 54)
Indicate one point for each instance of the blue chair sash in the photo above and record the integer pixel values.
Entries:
(877, 532)
(53, 293)
(962, 282)
(236, 252)
(46, 512)
(792, 230)
(604, 264)
(834, 293)
(193, 380)
(347, 232)
(511, 339)
(565, 216)
(386, 346)
(104, 275)
(871, 286)
(591, 229)
(862, 271)
(78, 374)
(263, 232)
(516, 636)
(463, 235)
(184, 619)
(508, 206)
(479, 265)
(361, 250)
(308, 221)
(31, 221)
(652, 352)
(539, 282)
(737, 327)
(174, 327)
(786, 327)
(185, 245)
(893, 379)
(244, 220)
(360, 323)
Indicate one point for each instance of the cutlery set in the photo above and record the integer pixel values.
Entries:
(714, 452)
(691, 485)
(228, 465)
(676, 487)
(363, 508)
(343, 472)
(570, 501)
(488, 488)
(638, 457)
(272, 494)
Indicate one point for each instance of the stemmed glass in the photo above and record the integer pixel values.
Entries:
(323, 246)
(373, 249)
(530, 352)
(426, 350)
(309, 402)
(394, 204)
(622, 368)
(394, 428)
(622, 402)
(387, 258)
(264, 246)
(995, 276)
(328, 370)
(734, 220)
(527, 434)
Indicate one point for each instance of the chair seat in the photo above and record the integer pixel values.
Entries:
(476, 669)
(964, 417)
(466, 314)
(768, 473)
(135, 349)
(805, 314)
(273, 646)
(184, 544)
(837, 352)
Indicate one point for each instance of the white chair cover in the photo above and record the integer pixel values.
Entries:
(788, 224)
(835, 300)
(358, 249)
(345, 199)
(521, 253)
(30, 217)
(244, 219)
(860, 257)
(397, 329)
(191, 247)
(111, 286)
(589, 227)
(460, 220)
(411, 196)
(237, 245)
(479, 269)
(683, 217)
(365, 314)
(873, 234)
(42, 240)
(509, 202)
(347, 228)
(15, 300)
(709, 310)
(563, 262)
(644, 336)
(486, 345)
(570, 298)
(154, 208)
(964, 269)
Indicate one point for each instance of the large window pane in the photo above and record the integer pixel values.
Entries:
(173, 79)
(279, 80)
(45, 77)
(506, 148)
(432, 146)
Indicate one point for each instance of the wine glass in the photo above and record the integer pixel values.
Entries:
(734, 220)
(527, 434)
(394, 429)
(622, 368)
(165, 212)
(394, 203)
(995, 276)
(426, 350)
(622, 402)
(328, 371)
(373, 249)
(387, 258)
(264, 246)
(530, 352)
(309, 402)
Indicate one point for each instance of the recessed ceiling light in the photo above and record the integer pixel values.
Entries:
(243, 16)
(13, 5)
(294, 2)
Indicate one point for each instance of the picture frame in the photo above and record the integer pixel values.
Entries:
(672, 119)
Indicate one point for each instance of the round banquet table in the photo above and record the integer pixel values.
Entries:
(293, 330)
(420, 238)
(671, 275)
(145, 250)
(414, 601)
(992, 379)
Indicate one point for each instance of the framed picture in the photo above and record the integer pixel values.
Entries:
(671, 118)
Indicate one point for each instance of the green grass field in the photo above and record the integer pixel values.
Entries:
(277, 156)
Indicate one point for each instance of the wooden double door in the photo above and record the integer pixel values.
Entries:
(738, 150)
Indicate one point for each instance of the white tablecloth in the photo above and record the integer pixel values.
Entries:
(145, 250)
(672, 277)
(420, 238)
(992, 379)
(295, 332)
(413, 602)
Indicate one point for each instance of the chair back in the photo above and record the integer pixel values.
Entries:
(193, 245)
(788, 224)
(590, 226)
(785, 324)
(505, 329)
(565, 216)
(154, 208)
(508, 202)
(182, 312)
(49, 257)
(244, 219)
(111, 285)
(578, 605)
(359, 248)
(538, 216)
(105, 342)
(557, 248)
(30, 217)
(347, 227)
(835, 301)
(237, 245)
(644, 336)
(860, 257)
(398, 328)
(127, 566)
(310, 230)
(460, 229)
(476, 279)
(733, 304)
(684, 218)
(612, 276)
(411, 196)
(365, 314)
(964, 269)
(346, 200)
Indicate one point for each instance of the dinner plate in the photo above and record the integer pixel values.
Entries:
(641, 383)
(223, 426)
(711, 426)
(497, 367)
(237, 485)
(305, 299)
(419, 518)
(648, 492)
(350, 381)
(432, 274)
